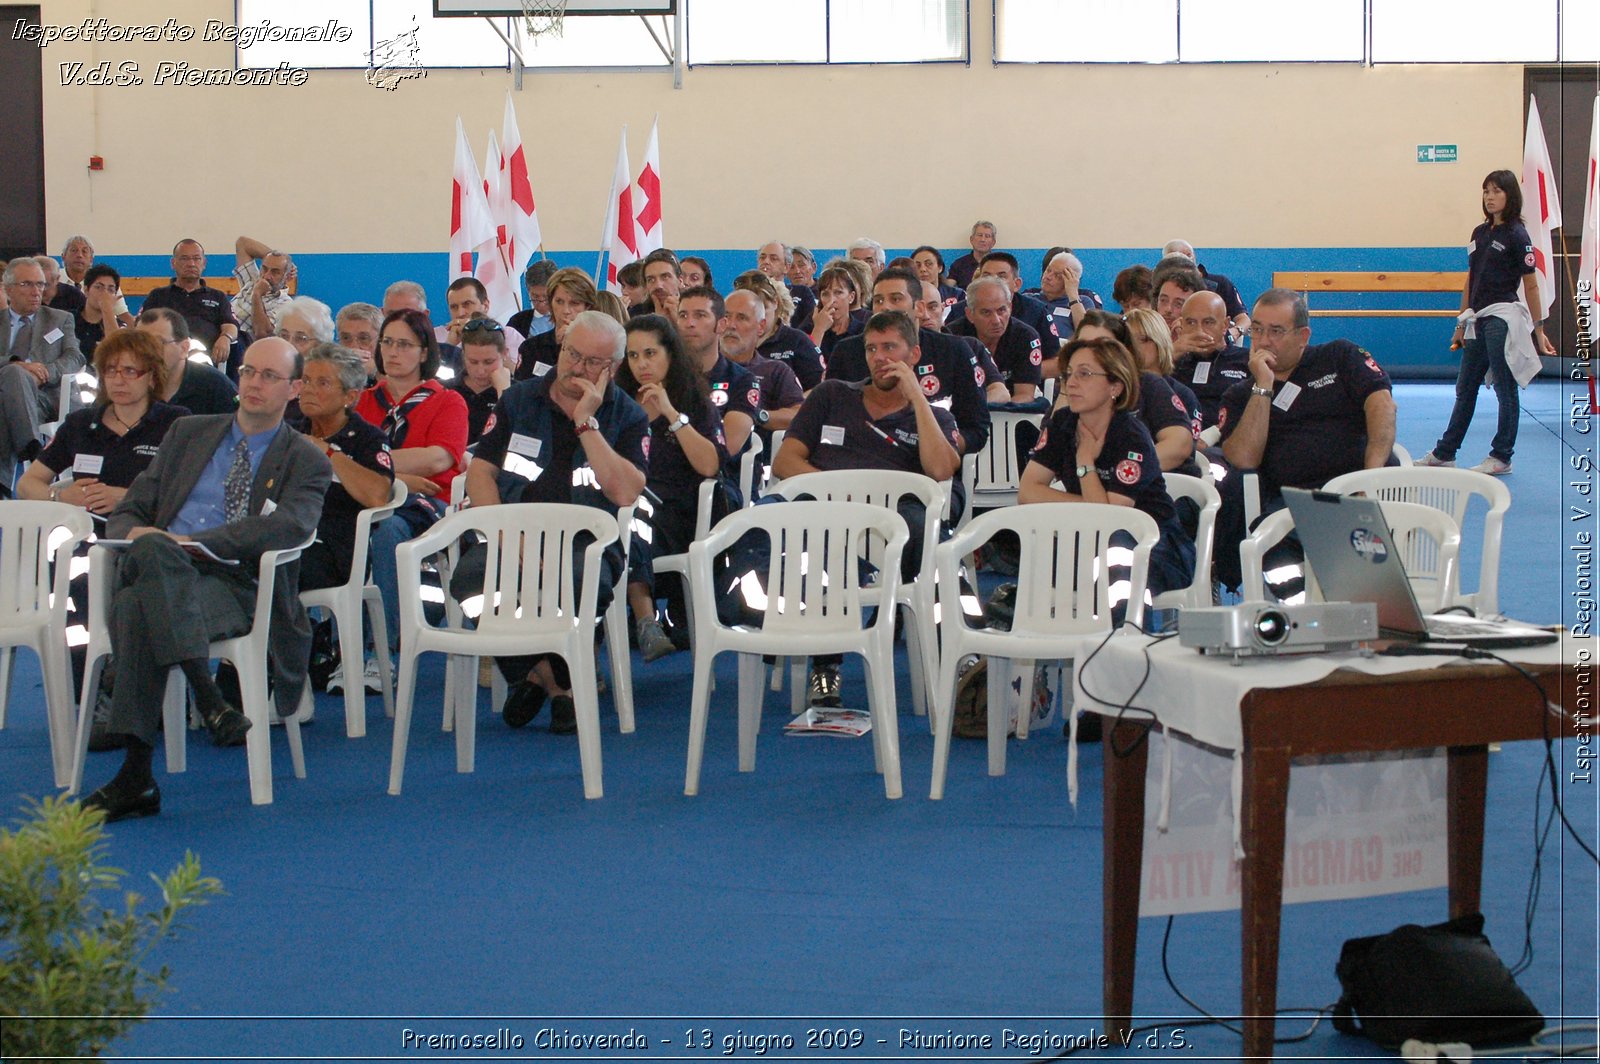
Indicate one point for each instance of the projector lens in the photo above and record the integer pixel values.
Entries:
(1271, 627)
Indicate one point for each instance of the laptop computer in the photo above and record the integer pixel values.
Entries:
(1350, 548)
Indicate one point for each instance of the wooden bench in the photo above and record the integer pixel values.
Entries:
(1310, 281)
(139, 287)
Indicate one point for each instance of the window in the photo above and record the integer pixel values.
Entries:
(1463, 31)
(1289, 31)
(1086, 31)
(406, 31)
(826, 31)
(1580, 31)
(1222, 31)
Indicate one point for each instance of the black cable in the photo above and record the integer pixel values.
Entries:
(1126, 706)
(1208, 1019)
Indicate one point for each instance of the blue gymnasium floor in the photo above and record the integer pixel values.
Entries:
(790, 899)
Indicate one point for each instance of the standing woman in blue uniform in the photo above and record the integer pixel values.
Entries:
(1500, 256)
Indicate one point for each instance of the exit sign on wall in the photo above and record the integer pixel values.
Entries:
(1436, 153)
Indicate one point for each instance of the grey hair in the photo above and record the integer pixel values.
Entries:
(408, 288)
(77, 239)
(803, 252)
(1073, 262)
(49, 265)
(982, 224)
(788, 252)
(868, 242)
(599, 321)
(316, 314)
(1179, 247)
(352, 371)
(10, 276)
(366, 312)
(981, 282)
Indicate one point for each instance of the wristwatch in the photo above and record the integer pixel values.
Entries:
(678, 425)
(1256, 389)
(1082, 471)
(584, 426)
(762, 417)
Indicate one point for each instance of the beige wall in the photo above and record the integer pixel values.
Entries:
(1115, 156)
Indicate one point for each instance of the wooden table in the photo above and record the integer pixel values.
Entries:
(1463, 708)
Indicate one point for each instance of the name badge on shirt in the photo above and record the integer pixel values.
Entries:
(541, 368)
(52, 336)
(833, 435)
(88, 465)
(1286, 395)
(268, 507)
(1202, 372)
(527, 446)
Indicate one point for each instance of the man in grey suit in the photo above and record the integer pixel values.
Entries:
(37, 345)
(240, 485)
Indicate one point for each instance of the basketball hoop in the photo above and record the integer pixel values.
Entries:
(543, 18)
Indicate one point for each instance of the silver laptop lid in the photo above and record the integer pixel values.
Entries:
(1351, 550)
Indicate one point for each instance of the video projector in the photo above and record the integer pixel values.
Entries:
(1257, 629)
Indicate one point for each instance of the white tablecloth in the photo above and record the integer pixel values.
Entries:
(1199, 695)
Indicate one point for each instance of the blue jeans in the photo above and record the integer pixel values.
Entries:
(1484, 353)
(408, 522)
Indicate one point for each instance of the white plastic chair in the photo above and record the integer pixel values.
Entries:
(993, 474)
(530, 606)
(1428, 539)
(885, 488)
(248, 652)
(1061, 609)
(1204, 495)
(815, 605)
(752, 477)
(616, 621)
(33, 608)
(1452, 491)
(77, 390)
(345, 602)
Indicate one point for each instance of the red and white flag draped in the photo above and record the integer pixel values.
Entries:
(650, 193)
(470, 223)
(494, 254)
(1541, 211)
(1589, 255)
(521, 218)
(617, 236)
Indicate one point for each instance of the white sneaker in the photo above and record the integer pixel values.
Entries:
(370, 678)
(1492, 466)
(336, 680)
(1431, 459)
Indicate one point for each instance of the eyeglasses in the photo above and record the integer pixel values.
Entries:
(1083, 374)
(1270, 332)
(127, 373)
(250, 373)
(395, 343)
(296, 338)
(483, 325)
(590, 365)
(38, 286)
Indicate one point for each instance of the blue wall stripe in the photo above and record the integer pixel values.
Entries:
(1407, 347)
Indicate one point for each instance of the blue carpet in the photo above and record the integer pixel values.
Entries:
(792, 898)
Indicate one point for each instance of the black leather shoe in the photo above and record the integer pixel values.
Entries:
(228, 726)
(563, 716)
(118, 804)
(523, 702)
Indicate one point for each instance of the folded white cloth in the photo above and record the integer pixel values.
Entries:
(1521, 356)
